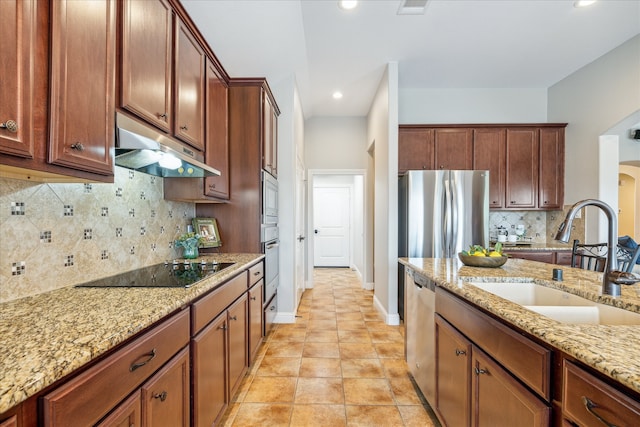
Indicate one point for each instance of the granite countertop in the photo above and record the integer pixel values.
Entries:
(548, 246)
(611, 350)
(47, 336)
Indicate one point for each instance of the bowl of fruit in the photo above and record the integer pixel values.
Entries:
(478, 256)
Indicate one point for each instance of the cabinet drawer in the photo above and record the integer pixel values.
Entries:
(256, 273)
(207, 308)
(611, 405)
(528, 361)
(89, 396)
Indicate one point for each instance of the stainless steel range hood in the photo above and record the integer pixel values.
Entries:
(142, 148)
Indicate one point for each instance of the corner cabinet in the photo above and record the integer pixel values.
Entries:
(525, 161)
(270, 115)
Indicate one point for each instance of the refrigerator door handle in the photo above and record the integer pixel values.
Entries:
(447, 218)
(455, 212)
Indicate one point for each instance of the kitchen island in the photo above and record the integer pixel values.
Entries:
(612, 352)
(46, 337)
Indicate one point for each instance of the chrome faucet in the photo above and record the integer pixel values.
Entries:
(612, 279)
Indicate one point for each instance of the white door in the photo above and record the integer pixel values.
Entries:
(300, 215)
(331, 218)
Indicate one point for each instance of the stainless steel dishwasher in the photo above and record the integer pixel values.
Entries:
(420, 304)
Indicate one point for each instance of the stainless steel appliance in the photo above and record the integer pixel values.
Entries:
(270, 247)
(440, 213)
(167, 275)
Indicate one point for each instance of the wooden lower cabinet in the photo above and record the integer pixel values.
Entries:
(550, 257)
(219, 355)
(127, 414)
(589, 401)
(10, 422)
(255, 319)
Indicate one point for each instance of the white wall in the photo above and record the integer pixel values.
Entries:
(629, 147)
(593, 100)
(335, 143)
(418, 106)
(383, 132)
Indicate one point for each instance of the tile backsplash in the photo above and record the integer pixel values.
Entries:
(539, 226)
(58, 235)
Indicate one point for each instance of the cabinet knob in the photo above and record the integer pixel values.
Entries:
(184, 128)
(162, 396)
(234, 318)
(9, 125)
(513, 202)
(77, 146)
(253, 298)
(162, 115)
(460, 352)
(223, 327)
(480, 371)
(212, 186)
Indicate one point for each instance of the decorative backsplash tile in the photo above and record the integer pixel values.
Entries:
(539, 226)
(59, 235)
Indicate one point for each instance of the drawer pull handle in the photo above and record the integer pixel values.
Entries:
(77, 146)
(253, 298)
(480, 371)
(257, 273)
(590, 406)
(184, 128)
(234, 317)
(460, 352)
(149, 356)
(162, 115)
(162, 396)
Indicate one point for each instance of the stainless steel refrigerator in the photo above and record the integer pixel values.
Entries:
(440, 213)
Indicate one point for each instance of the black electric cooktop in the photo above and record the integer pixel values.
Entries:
(167, 275)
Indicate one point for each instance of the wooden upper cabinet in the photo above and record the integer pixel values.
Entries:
(489, 147)
(18, 34)
(415, 149)
(522, 168)
(269, 136)
(551, 171)
(453, 148)
(217, 132)
(189, 87)
(82, 85)
(146, 67)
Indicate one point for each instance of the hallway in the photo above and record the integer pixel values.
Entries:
(338, 365)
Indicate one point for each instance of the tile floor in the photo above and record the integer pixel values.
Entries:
(338, 365)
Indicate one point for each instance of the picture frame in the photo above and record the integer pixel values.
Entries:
(207, 228)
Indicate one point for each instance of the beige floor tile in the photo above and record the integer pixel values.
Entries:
(322, 315)
(362, 368)
(395, 368)
(350, 325)
(322, 324)
(355, 335)
(415, 416)
(321, 349)
(321, 335)
(229, 415)
(271, 390)
(284, 349)
(351, 315)
(389, 350)
(357, 351)
(404, 391)
(318, 415)
(279, 367)
(290, 334)
(320, 367)
(367, 391)
(319, 391)
(261, 414)
(373, 416)
(387, 336)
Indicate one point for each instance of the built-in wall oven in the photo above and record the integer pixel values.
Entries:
(270, 247)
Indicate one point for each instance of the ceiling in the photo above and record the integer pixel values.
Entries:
(454, 44)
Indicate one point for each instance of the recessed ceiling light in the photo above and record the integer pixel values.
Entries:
(337, 95)
(347, 4)
(583, 3)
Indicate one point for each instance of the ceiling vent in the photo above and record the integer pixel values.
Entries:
(412, 7)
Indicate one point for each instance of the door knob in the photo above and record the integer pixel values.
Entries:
(300, 238)
(315, 231)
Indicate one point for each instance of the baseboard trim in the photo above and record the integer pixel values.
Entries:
(389, 319)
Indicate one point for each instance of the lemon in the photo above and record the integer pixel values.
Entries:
(478, 253)
(495, 254)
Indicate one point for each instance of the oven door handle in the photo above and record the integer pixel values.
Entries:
(272, 245)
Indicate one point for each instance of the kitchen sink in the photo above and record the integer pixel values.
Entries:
(559, 305)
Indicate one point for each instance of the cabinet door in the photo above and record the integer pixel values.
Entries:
(210, 377)
(146, 67)
(18, 34)
(453, 149)
(489, 147)
(165, 397)
(237, 315)
(499, 400)
(82, 85)
(189, 88)
(269, 136)
(522, 168)
(453, 379)
(551, 171)
(542, 256)
(217, 149)
(415, 149)
(10, 422)
(127, 414)
(255, 319)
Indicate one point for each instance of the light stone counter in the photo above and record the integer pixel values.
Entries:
(612, 350)
(47, 336)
